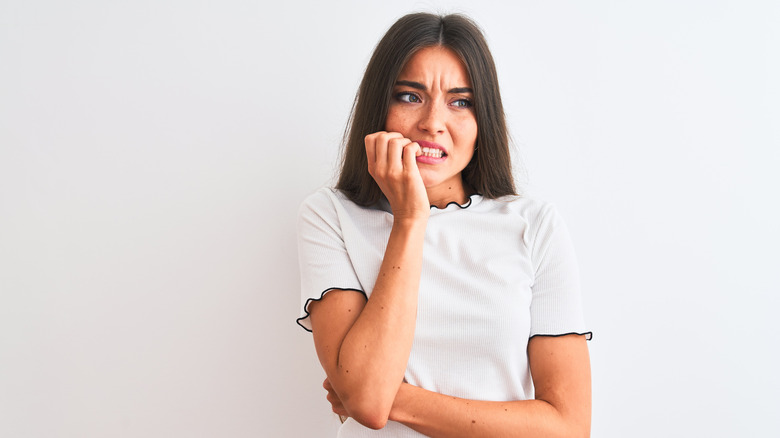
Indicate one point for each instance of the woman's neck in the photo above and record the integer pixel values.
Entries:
(445, 193)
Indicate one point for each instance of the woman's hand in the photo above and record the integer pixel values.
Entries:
(335, 401)
(393, 165)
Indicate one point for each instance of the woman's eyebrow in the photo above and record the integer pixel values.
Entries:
(412, 84)
(421, 87)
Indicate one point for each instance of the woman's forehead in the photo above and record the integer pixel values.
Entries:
(436, 66)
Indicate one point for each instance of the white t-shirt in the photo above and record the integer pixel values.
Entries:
(495, 273)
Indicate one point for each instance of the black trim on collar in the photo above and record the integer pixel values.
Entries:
(464, 206)
(322, 295)
(589, 335)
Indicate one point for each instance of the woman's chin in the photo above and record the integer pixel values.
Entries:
(431, 181)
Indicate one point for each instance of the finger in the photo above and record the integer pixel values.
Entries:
(335, 403)
(395, 148)
(381, 146)
(411, 152)
(380, 150)
(370, 142)
(337, 407)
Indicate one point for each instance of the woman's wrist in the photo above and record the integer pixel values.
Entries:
(410, 223)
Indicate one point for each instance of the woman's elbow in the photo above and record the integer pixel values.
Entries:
(369, 410)
(369, 416)
(375, 422)
(579, 429)
(369, 403)
(583, 433)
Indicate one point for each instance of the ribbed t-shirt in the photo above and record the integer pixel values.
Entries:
(495, 273)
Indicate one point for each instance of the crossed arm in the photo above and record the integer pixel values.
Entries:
(562, 411)
(560, 368)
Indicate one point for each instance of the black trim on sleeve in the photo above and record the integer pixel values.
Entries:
(588, 335)
(322, 295)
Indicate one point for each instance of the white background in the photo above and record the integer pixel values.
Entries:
(153, 155)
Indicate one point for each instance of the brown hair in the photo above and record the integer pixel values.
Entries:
(489, 172)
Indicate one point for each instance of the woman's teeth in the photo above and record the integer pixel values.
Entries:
(432, 152)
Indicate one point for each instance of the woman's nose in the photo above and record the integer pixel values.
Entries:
(432, 120)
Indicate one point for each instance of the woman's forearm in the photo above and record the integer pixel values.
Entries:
(560, 369)
(375, 351)
(438, 415)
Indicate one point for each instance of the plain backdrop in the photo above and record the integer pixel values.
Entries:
(153, 155)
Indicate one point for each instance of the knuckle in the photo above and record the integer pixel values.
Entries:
(373, 135)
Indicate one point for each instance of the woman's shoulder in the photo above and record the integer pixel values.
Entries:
(531, 208)
(539, 218)
(330, 201)
(322, 197)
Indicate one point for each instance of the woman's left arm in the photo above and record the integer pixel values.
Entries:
(560, 368)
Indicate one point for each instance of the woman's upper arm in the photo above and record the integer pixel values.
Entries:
(560, 368)
(331, 318)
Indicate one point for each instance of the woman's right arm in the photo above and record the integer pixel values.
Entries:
(364, 345)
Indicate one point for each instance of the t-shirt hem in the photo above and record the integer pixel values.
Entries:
(588, 335)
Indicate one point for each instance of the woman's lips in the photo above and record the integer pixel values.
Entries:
(432, 153)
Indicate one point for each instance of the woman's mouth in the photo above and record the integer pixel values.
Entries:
(431, 153)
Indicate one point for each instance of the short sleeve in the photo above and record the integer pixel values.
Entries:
(556, 303)
(324, 262)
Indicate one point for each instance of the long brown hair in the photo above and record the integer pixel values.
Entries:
(489, 172)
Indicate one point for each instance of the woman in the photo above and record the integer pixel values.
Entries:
(440, 302)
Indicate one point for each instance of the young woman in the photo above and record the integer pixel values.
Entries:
(440, 302)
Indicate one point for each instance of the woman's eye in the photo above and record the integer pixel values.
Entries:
(408, 97)
(462, 103)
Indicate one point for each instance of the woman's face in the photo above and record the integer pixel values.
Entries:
(432, 105)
